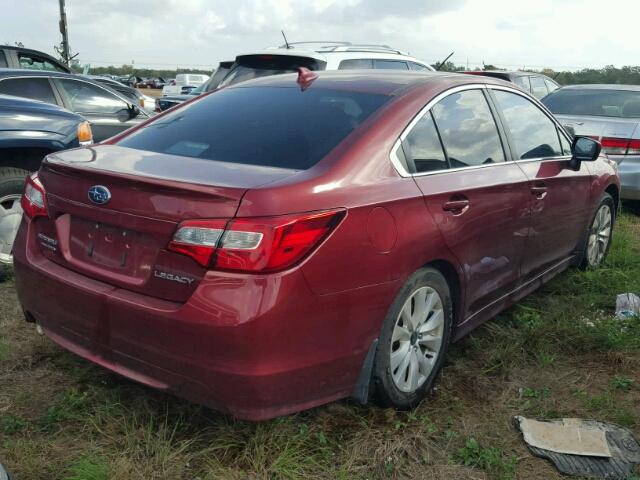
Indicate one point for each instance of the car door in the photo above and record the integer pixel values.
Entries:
(478, 199)
(559, 195)
(107, 113)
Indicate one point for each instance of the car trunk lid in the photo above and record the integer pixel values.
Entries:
(123, 241)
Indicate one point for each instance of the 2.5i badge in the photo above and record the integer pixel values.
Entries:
(173, 277)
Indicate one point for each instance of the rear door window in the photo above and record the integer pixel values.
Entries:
(87, 98)
(538, 87)
(390, 65)
(523, 83)
(422, 147)
(275, 127)
(33, 88)
(534, 134)
(468, 130)
(356, 64)
(36, 62)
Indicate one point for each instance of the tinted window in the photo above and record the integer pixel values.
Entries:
(35, 62)
(356, 64)
(523, 83)
(34, 88)
(534, 134)
(278, 127)
(87, 98)
(254, 66)
(592, 101)
(468, 131)
(538, 87)
(390, 65)
(3, 60)
(422, 146)
(417, 67)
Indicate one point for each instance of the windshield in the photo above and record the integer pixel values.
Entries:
(594, 102)
(276, 127)
(248, 67)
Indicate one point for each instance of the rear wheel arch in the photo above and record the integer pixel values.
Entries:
(614, 191)
(452, 276)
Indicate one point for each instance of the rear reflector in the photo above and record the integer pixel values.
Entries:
(254, 244)
(33, 200)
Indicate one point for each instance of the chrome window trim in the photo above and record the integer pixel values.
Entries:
(399, 167)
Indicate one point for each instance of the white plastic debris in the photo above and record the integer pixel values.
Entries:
(627, 305)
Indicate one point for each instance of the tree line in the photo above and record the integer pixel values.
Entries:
(627, 75)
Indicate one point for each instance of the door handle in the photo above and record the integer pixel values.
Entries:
(540, 191)
(456, 206)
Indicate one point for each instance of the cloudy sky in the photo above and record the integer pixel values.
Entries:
(561, 34)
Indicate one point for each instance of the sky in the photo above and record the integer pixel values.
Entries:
(558, 34)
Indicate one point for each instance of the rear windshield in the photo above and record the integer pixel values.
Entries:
(602, 103)
(276, 127)
(254, 66)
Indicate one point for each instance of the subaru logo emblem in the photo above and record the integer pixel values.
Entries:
(99, 194)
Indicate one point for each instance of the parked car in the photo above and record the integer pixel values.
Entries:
(28, 131)
(289, 241)
(20, 57)
(132, 81)
(320, 56)
(611, 115)
(184, 83)
(130, 93)
(157, 82)
(163, 103)
(534, 83)
(108, 111)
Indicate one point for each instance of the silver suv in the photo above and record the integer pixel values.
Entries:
(320, 56)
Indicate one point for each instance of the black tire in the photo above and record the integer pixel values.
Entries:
(11, 184)
(585, 262)
(386, 393)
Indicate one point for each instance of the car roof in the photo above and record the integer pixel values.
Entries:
(602, 86)
(385, 82)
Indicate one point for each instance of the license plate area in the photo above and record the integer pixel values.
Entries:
(111, 247)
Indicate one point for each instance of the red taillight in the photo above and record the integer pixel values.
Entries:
(34, 199)
(614, 146)
(254, 244)
(634, 147)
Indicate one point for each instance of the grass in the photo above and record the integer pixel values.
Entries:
(560, 352)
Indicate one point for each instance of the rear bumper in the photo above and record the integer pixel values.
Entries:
(254, 346)
(629, 170)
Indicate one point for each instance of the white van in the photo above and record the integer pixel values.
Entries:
(184, 83)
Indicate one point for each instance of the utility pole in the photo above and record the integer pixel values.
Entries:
(65, 38)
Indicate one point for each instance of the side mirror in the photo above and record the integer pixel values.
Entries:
(585, 149)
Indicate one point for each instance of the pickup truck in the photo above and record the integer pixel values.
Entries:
(184, 83)
(29, 130)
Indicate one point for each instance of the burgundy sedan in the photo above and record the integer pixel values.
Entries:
(294, 240)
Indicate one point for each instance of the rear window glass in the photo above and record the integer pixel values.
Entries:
(601, 103)
(254, 66)
(276, 127)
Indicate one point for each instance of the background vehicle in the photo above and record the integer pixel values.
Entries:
(169, 101)
(28, 131)
(320, 56)
(387, 213)
(534, 83)
(132, 94)
(108, 111)
(20, 57)
(157, 82)
(184, 83)
(611, 115)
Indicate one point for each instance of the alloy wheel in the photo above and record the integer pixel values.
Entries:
(599, 236)
(10, 217)
(417, 339)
